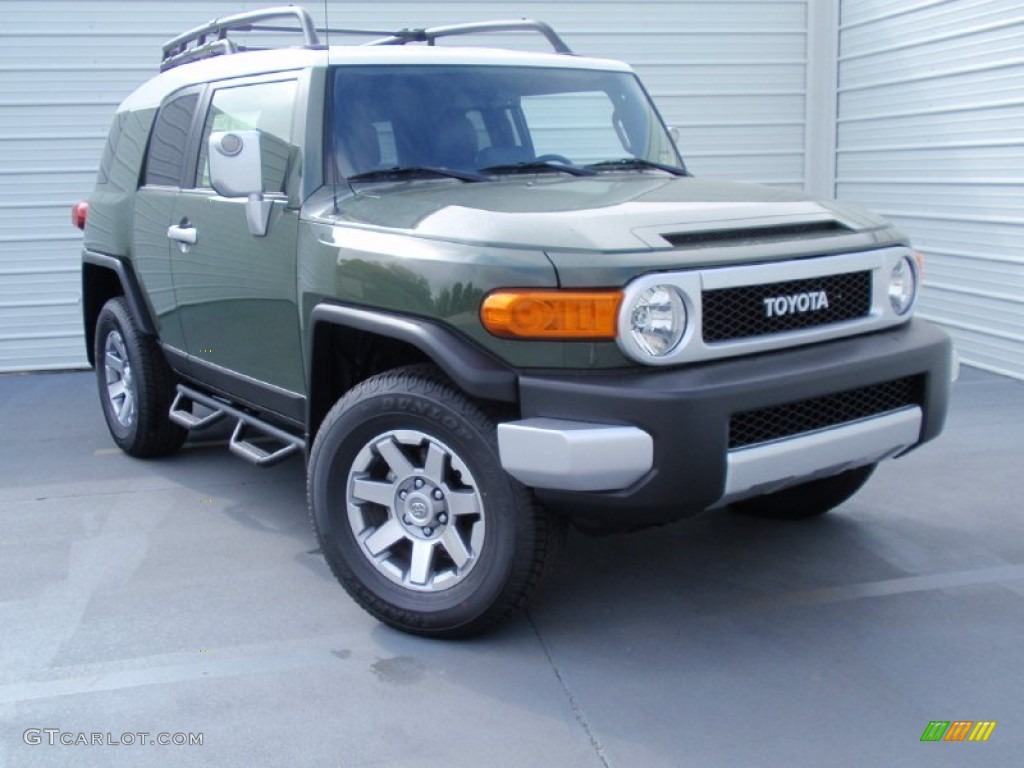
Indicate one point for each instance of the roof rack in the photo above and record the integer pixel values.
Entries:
(193, 45)
(211, 39)
(430, 34)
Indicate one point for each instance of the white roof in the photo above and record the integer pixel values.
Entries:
(153, 92)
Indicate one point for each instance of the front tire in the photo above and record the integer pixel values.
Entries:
(414, 513)
(136, 386)
(807, 500)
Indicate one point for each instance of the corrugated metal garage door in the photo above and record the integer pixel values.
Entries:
(931, 133)
(730, 73)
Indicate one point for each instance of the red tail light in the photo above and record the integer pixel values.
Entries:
(79, 213)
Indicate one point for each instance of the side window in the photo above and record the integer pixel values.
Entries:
(266, 107)
(388, 147)
(165, 158)
(581, 126)
(483, 138)
(110, 148)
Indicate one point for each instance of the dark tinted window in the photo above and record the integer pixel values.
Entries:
(165, 159)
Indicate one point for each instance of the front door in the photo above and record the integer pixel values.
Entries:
(236, 292)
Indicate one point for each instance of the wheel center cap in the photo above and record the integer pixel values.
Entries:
(419, 508)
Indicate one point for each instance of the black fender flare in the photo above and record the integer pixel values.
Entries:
(131, 289)
(475, 371)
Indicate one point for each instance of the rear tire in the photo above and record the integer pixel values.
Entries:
(136, 386)
(414, 513)
(807, 500)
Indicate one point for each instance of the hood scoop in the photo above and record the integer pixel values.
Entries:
(755, 235)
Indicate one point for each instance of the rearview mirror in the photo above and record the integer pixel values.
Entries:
(236, 170)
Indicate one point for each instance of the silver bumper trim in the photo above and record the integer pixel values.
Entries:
(770, 467)
(574, 455)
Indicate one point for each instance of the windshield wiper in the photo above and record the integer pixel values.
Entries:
(638, 163)
(415, 171)
(537, 167)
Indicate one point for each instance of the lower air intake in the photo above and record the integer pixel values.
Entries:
(780, 421)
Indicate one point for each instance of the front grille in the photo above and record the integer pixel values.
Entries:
(759, 310)
(779, 421)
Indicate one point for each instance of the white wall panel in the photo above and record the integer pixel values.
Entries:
(729, 73)
(931, 133)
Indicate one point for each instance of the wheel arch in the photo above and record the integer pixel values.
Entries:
(370, 342)
(103, 278)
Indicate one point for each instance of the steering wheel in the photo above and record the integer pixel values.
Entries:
(553, 158)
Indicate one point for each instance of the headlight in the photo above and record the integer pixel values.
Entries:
(656, 320)
(902, 285)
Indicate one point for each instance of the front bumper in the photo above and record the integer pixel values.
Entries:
(638, 447)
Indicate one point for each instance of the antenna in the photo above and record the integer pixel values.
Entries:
(330, 111)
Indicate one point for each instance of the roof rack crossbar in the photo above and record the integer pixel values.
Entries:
(430, 34)
(347, 31)
(194, 44)
(324, 30)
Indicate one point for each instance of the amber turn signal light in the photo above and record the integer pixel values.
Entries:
(919, 258)
(552, 314)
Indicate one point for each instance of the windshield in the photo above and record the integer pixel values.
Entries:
(492, 120)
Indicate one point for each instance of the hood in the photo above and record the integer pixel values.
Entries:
(608, 213)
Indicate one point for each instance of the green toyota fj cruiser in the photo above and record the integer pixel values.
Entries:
(479, 292)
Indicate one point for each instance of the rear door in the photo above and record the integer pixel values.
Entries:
(163, 175)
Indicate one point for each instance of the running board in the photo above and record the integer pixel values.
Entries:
(240, 445)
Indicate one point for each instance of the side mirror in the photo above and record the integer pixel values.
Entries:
(673, 131)
(236, 170)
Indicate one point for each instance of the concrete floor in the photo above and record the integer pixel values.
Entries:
(184, 595)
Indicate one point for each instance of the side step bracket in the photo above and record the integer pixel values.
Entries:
(181, 410)
(240, 444)
(246, 449)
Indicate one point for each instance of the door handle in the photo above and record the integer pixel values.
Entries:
(184, 235)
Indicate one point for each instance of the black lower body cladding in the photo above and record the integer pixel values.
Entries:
(688, 410)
